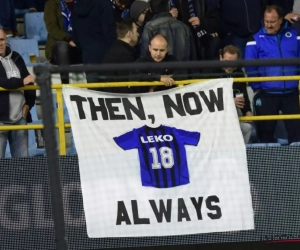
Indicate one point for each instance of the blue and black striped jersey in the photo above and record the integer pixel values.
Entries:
(162, 154)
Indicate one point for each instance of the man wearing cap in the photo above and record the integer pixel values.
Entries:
(138, 11)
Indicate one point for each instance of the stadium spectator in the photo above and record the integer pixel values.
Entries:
(286, 7)
(296, 18)
(138, 11)
(60, 47)
(121, 8)
(8, 18)
(94, 31)
(158, 52)
(122, 51)
(15, 105)
(24, 6)
(203, 22)
(239, 20)
(275, 40)
(178, 34)
(240, 94)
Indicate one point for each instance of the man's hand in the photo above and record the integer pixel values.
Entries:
(28, 79)
(167, 80)
(249, 113)
(174, 12)
(292, 17)
(239, 102)
(25, 110)
(195, 21)
(31, 10)
(214, 34)
(152, 89)
(71, 43)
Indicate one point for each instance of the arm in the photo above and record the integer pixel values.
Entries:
(252, 54)
(12, 83)
(51, 23)
(247, 107)
(30, 95)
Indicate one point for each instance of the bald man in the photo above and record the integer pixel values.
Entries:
(158, 52)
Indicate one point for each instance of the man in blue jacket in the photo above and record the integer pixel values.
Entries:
(275, 40)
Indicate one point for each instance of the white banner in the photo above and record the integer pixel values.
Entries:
(162, 163)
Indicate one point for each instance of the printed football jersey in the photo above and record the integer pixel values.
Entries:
(162, 154)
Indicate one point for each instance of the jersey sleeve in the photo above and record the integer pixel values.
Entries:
(126, 141)
(188, 137)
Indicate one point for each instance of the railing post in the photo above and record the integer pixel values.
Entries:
(61, 122)
(43, 78)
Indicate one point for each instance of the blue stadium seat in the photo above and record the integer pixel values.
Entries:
(252, 145)
(295, 143)
(33, 150)
(35, 27)
(25, 47)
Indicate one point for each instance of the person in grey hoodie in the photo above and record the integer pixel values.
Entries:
(15, 105)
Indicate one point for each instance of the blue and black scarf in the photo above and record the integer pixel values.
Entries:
(192, 13)
(66, 13)
(125, 12)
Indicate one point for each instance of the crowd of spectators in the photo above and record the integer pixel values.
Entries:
(126, 31)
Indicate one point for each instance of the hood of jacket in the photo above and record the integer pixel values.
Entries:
(8, 53)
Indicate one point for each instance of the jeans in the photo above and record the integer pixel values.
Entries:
(18, 140)
(7, 15)
(239, 42)
(64, 54)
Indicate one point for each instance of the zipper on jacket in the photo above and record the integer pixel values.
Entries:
(247, 15)
(280, 52)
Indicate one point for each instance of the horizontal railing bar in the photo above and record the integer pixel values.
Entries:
(23, 127)
(137, 84)
(242, 118)
(172, 65)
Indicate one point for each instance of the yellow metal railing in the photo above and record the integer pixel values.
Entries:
(61, 125)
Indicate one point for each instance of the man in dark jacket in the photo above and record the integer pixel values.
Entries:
(60, 47)
(239, 20)
(203, 22)
(15, 105)
(94, 30)
(122, 51)
(240, 94)
(138, 11)
(158, 52)
(273, 41)
(179, 36)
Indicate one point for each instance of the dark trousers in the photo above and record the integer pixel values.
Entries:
(270, 104)
(7, 15)
(64, 54)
